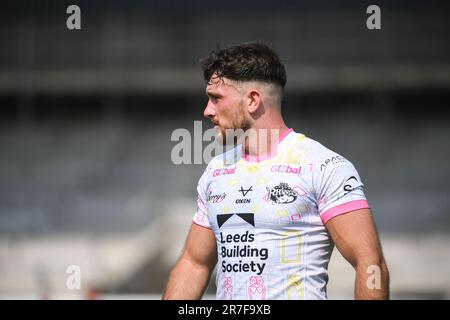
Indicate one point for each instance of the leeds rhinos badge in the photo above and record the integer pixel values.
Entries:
(281, 194)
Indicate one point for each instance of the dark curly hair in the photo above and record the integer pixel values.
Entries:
(245, 62)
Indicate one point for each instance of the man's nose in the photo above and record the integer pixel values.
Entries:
(209, 111)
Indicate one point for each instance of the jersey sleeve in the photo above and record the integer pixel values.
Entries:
(201, 214)
(339, 188)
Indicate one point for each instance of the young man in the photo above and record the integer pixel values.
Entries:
(271, 211)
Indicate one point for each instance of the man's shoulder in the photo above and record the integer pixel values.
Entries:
(312, 151)
(309, 147)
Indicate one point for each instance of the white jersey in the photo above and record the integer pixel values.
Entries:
(269, 215)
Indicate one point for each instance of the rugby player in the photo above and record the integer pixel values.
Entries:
(270, 213)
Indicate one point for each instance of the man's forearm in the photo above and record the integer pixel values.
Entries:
(372, 281)
(187, 281)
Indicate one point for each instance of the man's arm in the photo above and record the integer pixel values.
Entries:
(355, 236)
(190, 276)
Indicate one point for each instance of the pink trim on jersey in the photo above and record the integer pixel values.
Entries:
(250, 158)
(201, 225)
(201, 204)
(344, 208)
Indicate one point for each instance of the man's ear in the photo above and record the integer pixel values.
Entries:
(254, 100)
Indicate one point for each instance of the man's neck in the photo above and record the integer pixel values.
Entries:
(263, 142)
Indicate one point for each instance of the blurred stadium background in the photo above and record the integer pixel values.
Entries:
(86, 116)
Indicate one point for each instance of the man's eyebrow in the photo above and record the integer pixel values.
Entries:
(212, 94)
